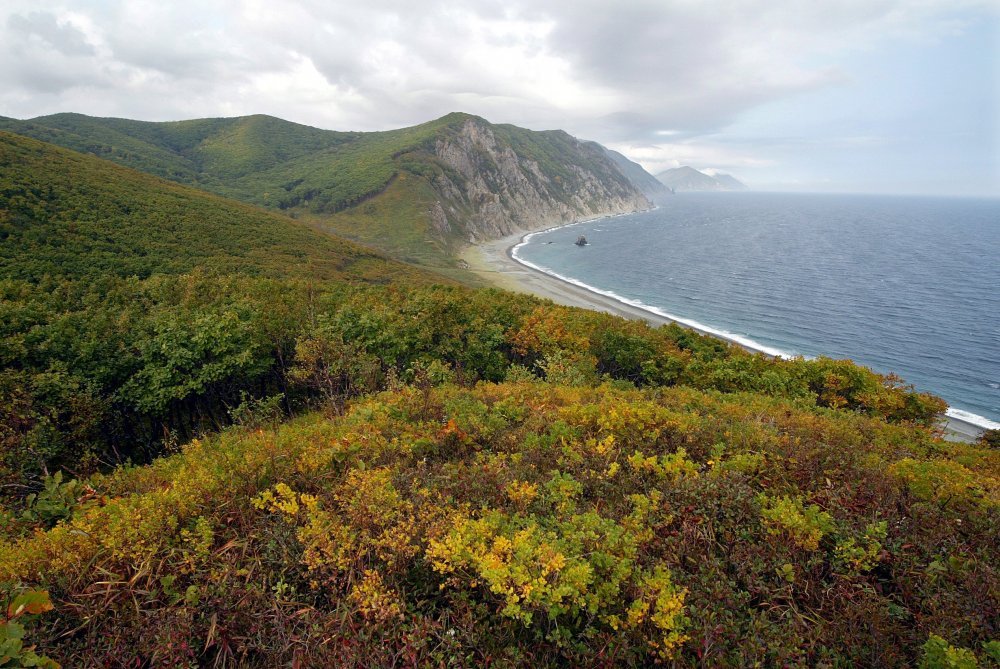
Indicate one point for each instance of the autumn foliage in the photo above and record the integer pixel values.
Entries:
(325, 467)
(512, 523)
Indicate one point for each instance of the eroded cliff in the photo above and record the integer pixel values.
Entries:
(498, 180)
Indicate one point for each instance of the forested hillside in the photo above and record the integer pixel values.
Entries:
(418, 193)
(67, 215)
(133, 308)
(226, 440)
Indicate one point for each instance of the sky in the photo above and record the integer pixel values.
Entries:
(892, 96)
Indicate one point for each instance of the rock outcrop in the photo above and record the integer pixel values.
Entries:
(490, 189)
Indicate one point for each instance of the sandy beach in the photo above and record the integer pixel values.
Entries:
(492, 261)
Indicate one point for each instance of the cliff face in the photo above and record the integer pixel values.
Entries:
(640, 178)
(489, 189)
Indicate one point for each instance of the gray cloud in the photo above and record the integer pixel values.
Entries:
(664, 77)
(63, 37)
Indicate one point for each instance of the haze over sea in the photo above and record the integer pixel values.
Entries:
(909, 285)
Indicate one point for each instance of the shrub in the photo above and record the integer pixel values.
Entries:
(939, 654)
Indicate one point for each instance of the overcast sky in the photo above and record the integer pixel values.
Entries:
(847, 95)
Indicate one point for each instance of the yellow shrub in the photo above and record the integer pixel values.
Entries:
(374, 600)
(521, 565)
(671, 467)
(661, 605)
(521, 493)
(579, 563)
(947, 482)
(329, 546)
(806, 525)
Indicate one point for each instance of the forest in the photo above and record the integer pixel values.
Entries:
(227, 440)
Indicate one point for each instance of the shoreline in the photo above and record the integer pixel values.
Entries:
(494, 262)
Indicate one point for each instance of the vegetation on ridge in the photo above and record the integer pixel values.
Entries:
(529, 522)
(472, 478)
(68, 215)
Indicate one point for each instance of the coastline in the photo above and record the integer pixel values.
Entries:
(493, 261)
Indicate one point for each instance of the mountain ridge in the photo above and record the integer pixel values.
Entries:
(68, 214)
(419, 193)
(650, 186)
(686, 178)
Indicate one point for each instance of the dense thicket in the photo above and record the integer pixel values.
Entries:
(529, 523)
(104, 371)
(475, 478)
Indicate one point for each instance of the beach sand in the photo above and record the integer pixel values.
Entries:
(492, 262)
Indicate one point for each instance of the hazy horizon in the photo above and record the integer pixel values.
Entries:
(889, 97)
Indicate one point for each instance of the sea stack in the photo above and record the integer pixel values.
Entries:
(581, 241)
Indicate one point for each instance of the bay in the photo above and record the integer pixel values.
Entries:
(908, 285)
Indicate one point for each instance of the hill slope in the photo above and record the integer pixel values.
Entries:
(417, 192)
(209, 152)
(689, 179)
(134, 310)
(650, 186)
(64, 214)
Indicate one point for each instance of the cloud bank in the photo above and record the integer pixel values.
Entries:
(662, 81)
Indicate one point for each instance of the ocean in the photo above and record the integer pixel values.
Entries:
(908, 285)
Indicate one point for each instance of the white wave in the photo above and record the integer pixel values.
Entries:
(967, 417)
(742, 340)
(746, 342)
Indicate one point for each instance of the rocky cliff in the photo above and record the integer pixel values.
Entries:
(489, 189)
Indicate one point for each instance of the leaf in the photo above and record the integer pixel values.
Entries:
(32, 602)
(10, 631)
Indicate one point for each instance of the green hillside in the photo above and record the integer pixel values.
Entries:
(319, 174)
(133, 308)
(63, 214)
(205, 152)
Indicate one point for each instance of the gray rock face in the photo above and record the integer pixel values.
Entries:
(489, 190)
(643, 180)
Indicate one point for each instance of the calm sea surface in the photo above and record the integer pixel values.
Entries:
(909, 285)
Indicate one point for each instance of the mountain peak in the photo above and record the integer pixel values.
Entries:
(687, 178)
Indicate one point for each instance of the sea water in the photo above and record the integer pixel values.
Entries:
(908, 285)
